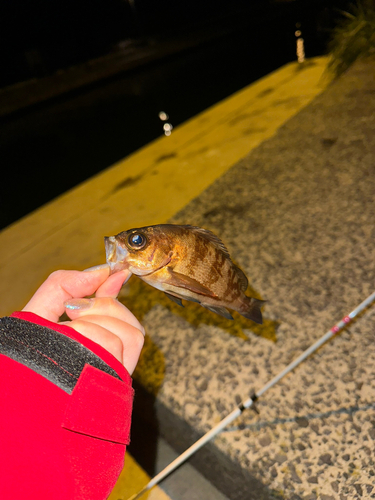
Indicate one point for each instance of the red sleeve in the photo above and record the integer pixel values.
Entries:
(56, 442)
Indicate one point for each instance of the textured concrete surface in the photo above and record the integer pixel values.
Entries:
(298, 217)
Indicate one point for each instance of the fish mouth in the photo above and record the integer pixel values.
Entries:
(115, 255)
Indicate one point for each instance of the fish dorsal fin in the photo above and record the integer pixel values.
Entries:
(244, 282)
(211, 237)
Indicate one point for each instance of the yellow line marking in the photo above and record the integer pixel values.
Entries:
(132, 479)
(151, 185)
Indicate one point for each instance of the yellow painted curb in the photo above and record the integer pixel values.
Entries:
(132, 479)
(151, 185)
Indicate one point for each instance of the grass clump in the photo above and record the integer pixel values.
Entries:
(353, 37)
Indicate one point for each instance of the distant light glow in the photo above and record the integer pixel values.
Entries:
(298, 33)
(300, 50)
(167, 127)
(163, 116)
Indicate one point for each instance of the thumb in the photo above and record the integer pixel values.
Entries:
(48, 300)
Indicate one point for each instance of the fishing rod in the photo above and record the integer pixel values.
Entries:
(248, 403)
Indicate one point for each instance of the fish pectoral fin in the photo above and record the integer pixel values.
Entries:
(221, 311)
(182, 281)
(174, 299)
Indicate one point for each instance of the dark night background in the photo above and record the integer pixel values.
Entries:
(55, 144)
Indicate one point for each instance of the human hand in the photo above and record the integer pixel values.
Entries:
(102, 319)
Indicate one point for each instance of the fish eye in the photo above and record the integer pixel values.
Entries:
(137, 241)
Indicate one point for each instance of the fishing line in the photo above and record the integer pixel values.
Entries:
(248, 403)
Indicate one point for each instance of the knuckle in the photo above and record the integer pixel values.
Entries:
(62, 276)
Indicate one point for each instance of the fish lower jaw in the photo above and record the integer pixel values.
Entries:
(110, 248)
(116, 255)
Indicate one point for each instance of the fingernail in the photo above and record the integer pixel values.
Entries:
(79, 304)
(96, 268)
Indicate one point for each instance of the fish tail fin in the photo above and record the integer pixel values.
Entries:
(252, 311)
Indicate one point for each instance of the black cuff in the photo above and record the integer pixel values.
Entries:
(49, 353)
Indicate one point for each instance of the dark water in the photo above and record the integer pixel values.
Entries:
(49, 148)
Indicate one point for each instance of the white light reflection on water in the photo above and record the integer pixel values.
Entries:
(167, 127)
(163, 116)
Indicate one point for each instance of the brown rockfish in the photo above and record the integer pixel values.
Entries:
(185, 262)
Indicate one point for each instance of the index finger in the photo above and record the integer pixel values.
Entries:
(48, 300)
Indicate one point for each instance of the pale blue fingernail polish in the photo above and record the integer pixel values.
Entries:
(78, 304)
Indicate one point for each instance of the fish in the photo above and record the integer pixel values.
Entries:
(186, 263)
